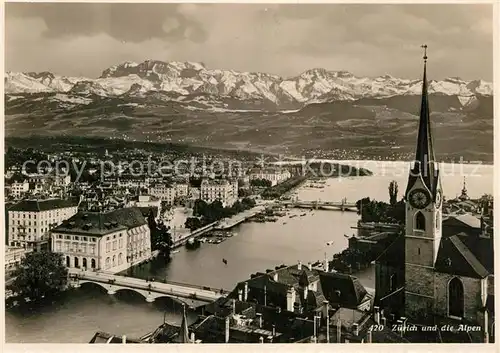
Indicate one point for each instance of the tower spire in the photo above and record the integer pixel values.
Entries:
(424, 164)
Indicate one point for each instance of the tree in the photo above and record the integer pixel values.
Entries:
(393, 192)
(193, 223)
(39, 275)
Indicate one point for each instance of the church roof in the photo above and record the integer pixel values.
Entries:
(424, 165)
(454, 257)
(466, 219)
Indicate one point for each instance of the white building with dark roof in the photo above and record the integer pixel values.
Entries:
(109, 241)
(30, 221)
(219, 190)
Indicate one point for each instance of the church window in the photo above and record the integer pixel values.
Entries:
(420, 221)
(456, 298)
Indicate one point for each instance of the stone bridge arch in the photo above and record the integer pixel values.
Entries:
(150, 296)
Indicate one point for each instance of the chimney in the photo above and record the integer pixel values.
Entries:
(400, 326)
(325, 308)
(240, 295)
(339, 331)
(305, 292)
(261, 339)
(233, 302)
(369, 336)
(290, 299)
(124, 339)
(275, 276)
(192, 338)
(259, 316)
(299, 266)
(309, 266)
(355, 329)
(486, 337)
(226, 338)
(274, 330)
(376, 315)
(245, 292)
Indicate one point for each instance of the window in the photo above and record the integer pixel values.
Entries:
(114, 245)
(455, 298)
(76, 238)
(84, 238)
(419, 221)
(59, 236)
(107, 247)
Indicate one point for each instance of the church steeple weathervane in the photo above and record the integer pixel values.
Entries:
(424, 164)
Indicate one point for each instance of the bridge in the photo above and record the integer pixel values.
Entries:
(192, 295)
(343, 205)
(194, 234)
(239, 218)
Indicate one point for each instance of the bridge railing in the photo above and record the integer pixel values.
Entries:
(131, 281)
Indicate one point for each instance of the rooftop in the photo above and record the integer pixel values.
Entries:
(102, 223)
(43, 205)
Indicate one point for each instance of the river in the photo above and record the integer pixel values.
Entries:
(256, 247)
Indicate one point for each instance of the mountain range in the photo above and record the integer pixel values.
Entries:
(188, 101)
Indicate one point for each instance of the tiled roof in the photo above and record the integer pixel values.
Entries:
(44, 205)
(468, 220)
(97, 223)
(341, 289)
(104, 337)
(455, 257)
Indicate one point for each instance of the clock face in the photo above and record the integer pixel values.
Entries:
(419, 198)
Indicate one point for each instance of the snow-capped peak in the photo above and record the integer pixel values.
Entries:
(186, 78)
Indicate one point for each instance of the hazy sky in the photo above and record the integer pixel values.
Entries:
(372, 40)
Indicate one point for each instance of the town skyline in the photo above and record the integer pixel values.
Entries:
(366, 40)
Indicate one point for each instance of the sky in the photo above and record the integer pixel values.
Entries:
(282, 39)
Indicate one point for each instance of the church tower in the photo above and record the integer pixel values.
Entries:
(423, 199)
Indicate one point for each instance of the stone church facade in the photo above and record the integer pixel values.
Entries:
(425, 276)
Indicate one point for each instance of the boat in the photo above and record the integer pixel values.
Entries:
(284, 223)
(192, 243)
(293, 215)
(175, 251)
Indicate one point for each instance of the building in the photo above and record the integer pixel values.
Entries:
(274, 175)
(18, 189)
(145, 201)
(13, 256)
(303, 289)
(110, 241)
(31, 220)
(164, 192)
(181, 189)
(219, 190)
(439, 271)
